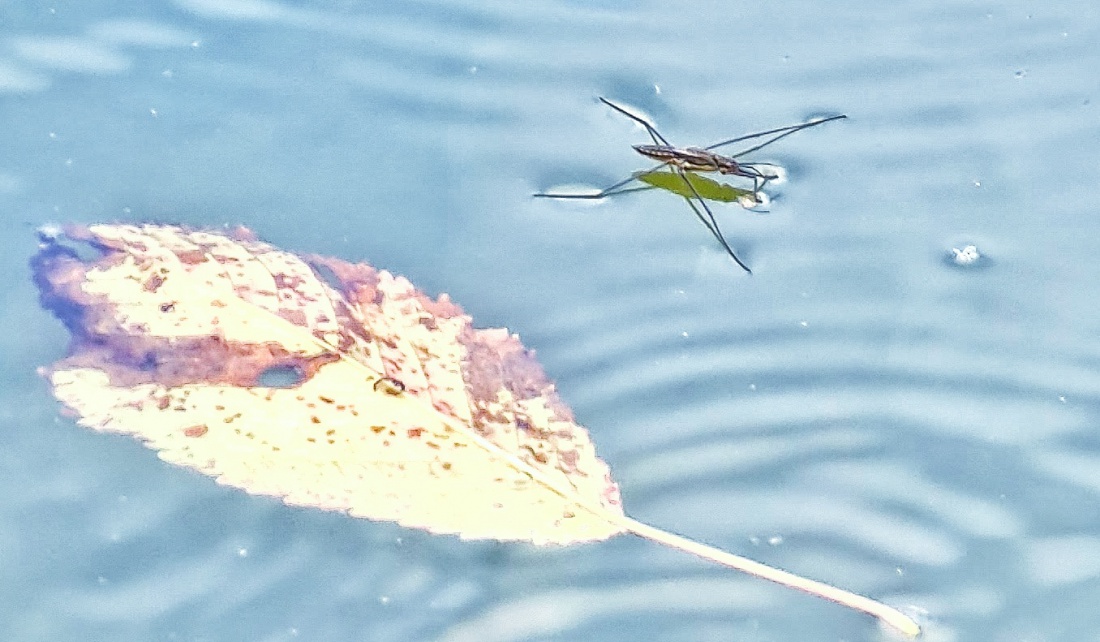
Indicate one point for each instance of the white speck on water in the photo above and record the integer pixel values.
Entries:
(49, 232)
(969, 255)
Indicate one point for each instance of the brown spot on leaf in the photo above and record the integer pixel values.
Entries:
(444, 407)
(540, 457)
(297, 317)
(195, 431)
(567, 461)
(283, 280)
(191, 257)
(153, 283)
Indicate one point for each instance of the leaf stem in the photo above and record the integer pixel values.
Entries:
(886, 614)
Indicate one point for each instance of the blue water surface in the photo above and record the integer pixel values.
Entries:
(862, 409)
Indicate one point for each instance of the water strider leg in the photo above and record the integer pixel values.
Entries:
(782, 131)
(709, 221)
(658, 139)
(617, 188)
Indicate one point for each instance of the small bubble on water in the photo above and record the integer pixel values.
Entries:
(969, 255)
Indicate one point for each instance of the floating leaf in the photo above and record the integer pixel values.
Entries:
(708, 188)
(333, 385)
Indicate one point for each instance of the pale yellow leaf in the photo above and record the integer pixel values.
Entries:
(399, 410)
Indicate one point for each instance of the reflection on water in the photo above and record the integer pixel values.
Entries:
(862, 409)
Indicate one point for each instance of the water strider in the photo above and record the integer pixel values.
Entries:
(689, 160)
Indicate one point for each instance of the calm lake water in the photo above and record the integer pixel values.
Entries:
(861, 410)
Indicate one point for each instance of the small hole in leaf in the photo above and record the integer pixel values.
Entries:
(390, 386)
(281, 377)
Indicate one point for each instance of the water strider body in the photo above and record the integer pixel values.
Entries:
(699, 159)
(695, 159)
